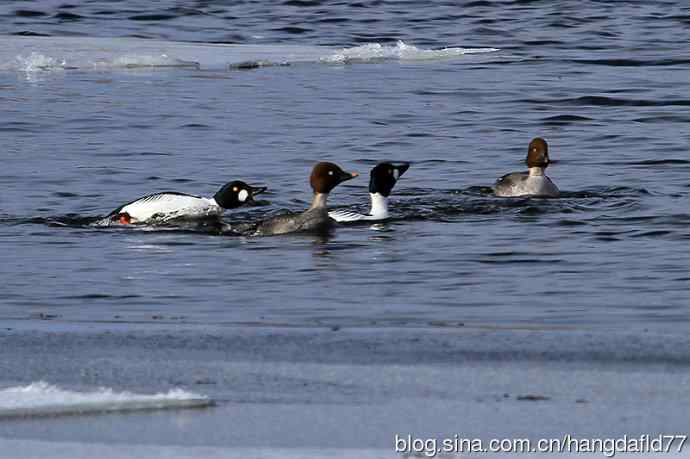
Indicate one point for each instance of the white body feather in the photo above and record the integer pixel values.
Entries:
(533, 183)
(166, 206)
(379, 211)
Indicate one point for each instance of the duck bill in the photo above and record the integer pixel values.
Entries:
(345, 176)
(258, 190)
(402, 168)
(253, 191)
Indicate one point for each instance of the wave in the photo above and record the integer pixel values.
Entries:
(605, 101)
(43, 399)
(42, 54)
(436, 205)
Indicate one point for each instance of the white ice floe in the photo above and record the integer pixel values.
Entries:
(36, 449)
(45, 54)
(43, 399)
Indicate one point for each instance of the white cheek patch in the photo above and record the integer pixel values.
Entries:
(243, 195)
(396, 174)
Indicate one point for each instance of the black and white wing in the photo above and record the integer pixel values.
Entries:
(345, 216)
(165, 206)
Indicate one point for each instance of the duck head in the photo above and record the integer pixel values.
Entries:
(236, 194)
(384, 177)
(326, 176)
(538, 153)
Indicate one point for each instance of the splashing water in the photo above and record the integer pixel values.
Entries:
(35, 62)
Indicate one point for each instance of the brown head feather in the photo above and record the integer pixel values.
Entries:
(326, 176)
(538, 153)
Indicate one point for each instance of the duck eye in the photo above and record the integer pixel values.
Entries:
(330, 172)
(390, 171)
(235, 189)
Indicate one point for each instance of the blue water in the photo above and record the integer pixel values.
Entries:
(605, 83)
(437, 322)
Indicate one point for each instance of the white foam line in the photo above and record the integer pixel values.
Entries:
(43, 399)
(401, 50)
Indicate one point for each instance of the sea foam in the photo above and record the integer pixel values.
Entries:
(401, 50)
(37, 61)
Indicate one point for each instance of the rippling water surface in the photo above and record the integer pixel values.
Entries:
(88, 124)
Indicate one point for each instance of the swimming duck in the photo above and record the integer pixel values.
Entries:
(168, 205)
(382, 179)
(534, 182)
(324, 177)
